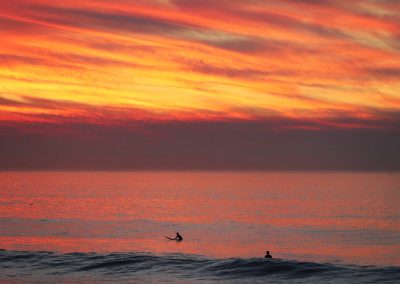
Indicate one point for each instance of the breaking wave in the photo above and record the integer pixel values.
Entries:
(142, 267)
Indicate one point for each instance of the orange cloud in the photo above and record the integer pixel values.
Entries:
(178, 60)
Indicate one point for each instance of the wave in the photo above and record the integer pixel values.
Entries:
(120, 267)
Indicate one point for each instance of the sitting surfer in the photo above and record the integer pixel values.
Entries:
(178, 238)
(268, 255)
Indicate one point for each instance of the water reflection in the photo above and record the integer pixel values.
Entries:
(353, 217)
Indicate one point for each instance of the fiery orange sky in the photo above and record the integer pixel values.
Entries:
(195, 60)
(312, 64)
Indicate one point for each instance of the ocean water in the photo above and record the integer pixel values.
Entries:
(106, 227)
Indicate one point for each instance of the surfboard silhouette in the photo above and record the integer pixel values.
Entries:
(178, 238)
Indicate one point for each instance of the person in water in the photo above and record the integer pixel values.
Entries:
(268, 255)
(178, 237)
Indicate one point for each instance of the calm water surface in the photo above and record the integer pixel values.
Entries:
(346, 218)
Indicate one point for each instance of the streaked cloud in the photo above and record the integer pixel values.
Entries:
(129, 65)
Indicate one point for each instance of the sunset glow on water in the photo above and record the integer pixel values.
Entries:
(342, 217)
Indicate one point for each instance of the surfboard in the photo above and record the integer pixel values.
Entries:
(172, 239)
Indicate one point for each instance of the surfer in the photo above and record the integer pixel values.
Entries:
(178, 238)
(268, 255)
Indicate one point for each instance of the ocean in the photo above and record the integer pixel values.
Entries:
(110, 227)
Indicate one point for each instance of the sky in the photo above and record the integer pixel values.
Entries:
(190, 84)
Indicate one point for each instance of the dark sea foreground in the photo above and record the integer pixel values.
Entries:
(49, 267)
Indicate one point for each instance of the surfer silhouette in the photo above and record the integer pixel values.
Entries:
(268, 255)
(178, 238)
